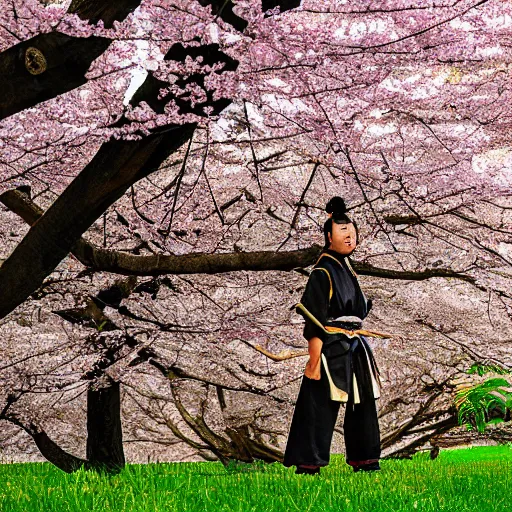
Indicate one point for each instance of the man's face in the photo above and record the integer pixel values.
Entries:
(343, 238)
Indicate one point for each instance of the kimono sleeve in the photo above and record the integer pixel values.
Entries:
(316, 300)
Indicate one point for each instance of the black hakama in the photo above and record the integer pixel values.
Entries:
(333, 293)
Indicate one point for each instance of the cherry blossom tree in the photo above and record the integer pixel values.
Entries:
(201, 141)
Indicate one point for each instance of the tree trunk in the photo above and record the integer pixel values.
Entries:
(104, 430)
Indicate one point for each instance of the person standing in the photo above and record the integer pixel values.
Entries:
(341, 367)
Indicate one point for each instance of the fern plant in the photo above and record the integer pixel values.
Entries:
(475, 401)
(481, 369)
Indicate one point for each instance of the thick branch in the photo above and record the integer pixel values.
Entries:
(51, 64)
(59, 62)
(369, 270)
(56, 455)
(204, 263)
(43, 67)
(48, 448)
(224, 10)
(95, 10)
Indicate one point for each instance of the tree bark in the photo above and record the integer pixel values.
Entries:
(57, 65)
(59, 62)
(104, 430)
(96, 10)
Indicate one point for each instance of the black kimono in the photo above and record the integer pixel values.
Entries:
(333, 298)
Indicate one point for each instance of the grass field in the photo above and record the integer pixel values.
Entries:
(474, 479)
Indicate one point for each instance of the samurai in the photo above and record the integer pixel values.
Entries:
(341, 367)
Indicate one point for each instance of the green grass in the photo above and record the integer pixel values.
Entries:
(475, 479)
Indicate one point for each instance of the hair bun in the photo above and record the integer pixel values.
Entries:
(336, 206)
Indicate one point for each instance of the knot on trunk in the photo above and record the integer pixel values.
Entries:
(35, 61)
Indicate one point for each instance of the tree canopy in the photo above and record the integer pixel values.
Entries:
(191, 146)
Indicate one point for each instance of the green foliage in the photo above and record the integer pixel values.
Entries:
(475, 403)
(482, 369)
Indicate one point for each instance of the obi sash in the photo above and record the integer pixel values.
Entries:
(342, 336)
